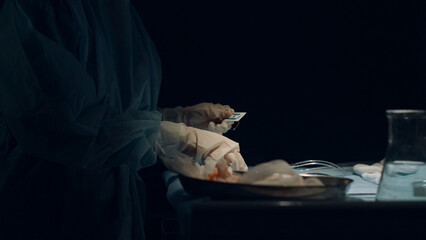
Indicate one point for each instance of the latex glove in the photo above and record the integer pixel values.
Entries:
(212, 169)
(207, 116)
(197, 143)
(369, 173)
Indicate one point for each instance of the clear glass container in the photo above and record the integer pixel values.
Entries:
(404, 171)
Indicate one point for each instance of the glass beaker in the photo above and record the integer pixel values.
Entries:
(404, 171)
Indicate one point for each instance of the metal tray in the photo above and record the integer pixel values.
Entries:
(334, 189)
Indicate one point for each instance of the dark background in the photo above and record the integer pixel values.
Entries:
(314, 76)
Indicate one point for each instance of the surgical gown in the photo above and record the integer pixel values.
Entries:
(79, 82)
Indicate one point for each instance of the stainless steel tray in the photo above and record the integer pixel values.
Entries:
(334, 188)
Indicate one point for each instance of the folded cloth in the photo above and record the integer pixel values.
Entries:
(176, 195)
(370, 173)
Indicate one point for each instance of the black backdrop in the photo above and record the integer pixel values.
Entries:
(314, 76)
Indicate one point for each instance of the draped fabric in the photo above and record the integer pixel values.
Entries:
(79, 82)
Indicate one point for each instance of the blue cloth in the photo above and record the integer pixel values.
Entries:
(176, 194)
(79, 83)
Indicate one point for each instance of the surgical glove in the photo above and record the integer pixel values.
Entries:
(220, 128)
(212, 169)
(197, 143)
(207, 116)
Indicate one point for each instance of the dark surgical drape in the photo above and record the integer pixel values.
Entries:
(79, 82)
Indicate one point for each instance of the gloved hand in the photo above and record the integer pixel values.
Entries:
(199, 144)
(207, 116)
